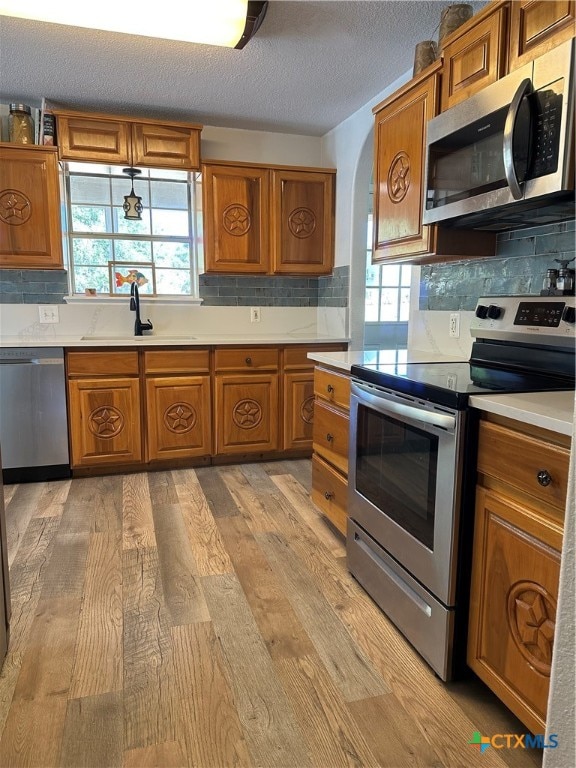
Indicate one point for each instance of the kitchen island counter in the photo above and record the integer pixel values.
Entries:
(548, 410)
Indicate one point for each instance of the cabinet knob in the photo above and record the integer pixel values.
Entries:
(248, 361)
(330, 389)
(329, 437)
(544, 477)
(328, 495)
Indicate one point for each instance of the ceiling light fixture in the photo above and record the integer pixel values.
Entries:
(132, 203)
(229, 23)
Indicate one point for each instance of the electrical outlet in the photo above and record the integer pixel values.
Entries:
(49, 314)
(454, 331)
(254, 314)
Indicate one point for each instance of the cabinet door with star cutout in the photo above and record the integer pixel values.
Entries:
(104, 421)
(178, 417)
(235, 212)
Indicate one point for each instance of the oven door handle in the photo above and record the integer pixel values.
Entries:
(384, 405)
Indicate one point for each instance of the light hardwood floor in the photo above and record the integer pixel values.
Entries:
(206, 618)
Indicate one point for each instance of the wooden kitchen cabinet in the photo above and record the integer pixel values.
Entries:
(330, 445)
(104, 408)
(178, 404)
(87, 137)
(298, 395)
(302, 222)
(236, 220)
(246, 400)
(268, 220)
(475, 55)
(30, 232)
(516, 563)
(537, 26)
(399, 160)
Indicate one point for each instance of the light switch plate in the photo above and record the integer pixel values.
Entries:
(454, 330)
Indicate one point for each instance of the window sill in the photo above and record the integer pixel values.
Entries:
(159, 300)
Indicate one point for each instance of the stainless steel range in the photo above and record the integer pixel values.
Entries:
(412, 465)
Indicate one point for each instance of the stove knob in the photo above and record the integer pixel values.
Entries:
(569, 314)
(494, 312)
(481, 311)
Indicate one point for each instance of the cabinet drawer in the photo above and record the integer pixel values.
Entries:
(517, 459)
(105, 363)
(330, 435)
(330, 493)
(177, 361)
(246, 359)
(333, 387)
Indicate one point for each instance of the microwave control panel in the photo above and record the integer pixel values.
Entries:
(547, 113)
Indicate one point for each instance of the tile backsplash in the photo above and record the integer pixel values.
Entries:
(519, 266)
(33, 286)
(26, 286)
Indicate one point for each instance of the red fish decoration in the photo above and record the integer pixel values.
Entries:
(133, 276)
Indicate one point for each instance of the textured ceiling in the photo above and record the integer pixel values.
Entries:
(310, 66)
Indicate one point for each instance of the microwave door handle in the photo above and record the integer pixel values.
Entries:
(509, 168)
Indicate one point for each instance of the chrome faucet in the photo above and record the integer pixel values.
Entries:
(139, 326)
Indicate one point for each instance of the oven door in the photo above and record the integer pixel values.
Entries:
(404, 481)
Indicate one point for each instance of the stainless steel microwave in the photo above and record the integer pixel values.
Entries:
(504, 158)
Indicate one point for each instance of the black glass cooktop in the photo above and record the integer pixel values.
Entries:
(451, 384)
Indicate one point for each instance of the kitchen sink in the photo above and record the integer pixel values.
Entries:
(131, 337)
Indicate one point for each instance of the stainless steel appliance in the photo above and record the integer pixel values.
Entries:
(505, 157)
(33, 420)
(412, 465)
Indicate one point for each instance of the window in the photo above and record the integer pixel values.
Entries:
(387, 289)
(387, 305)
(107, 251)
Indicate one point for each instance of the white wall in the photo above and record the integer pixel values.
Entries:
(349, 148)
(260, 147)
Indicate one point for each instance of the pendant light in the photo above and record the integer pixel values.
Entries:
(132, 203)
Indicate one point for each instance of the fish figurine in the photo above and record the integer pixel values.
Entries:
(133, 276)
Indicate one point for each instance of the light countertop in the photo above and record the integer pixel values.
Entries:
(345, 360)
(160, 340)
(548, 410)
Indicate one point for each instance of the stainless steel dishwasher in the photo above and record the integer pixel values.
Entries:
(33, 420)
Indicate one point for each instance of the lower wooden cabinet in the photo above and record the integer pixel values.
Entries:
(178, 417)
(104, 421)
(177, 421)
(330, 445)
(330, 492)
(298, 409)
(150, 406)
(246, 409)
(516, 565)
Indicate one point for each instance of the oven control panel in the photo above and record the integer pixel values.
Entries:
(551, 320)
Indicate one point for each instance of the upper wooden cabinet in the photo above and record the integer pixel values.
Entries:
(537, 26)
(400, 140)
(236, 231)
(268, 220)
(475, 54)
(302, 222)
(127, 141)
(30, 232)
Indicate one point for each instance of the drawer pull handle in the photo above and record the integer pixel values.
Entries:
(248, 361)
(544, 477)
(328, 496)
(329, 437)
(330, 389)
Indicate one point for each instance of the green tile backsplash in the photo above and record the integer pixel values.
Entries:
(521, 260)
(22, 286)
